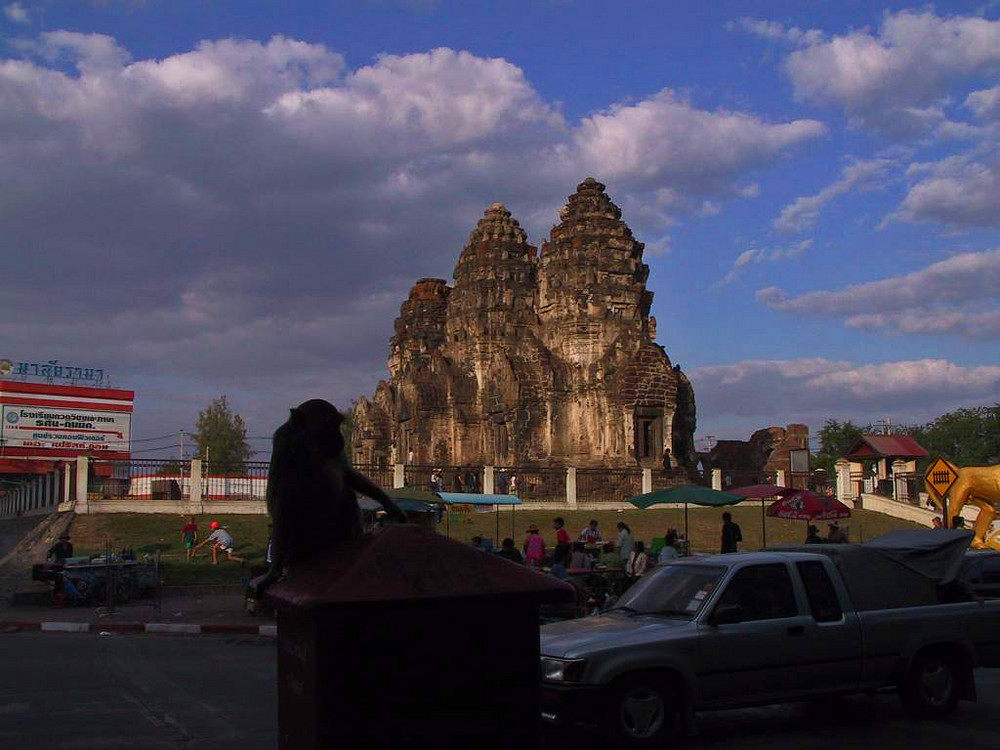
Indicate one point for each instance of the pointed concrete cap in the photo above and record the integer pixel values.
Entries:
(409, 563)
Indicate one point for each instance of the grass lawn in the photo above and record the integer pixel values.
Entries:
(149, 532)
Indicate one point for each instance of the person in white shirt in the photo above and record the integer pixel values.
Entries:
(624, 541)
(638, 561)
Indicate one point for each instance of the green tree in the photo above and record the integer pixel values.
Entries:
(967, 437)
(835, 439)
(221, 437)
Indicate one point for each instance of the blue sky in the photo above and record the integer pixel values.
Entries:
(208, 197)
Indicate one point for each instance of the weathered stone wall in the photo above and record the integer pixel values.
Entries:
(533, 358)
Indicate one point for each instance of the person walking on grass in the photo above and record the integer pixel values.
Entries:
(731, 534)
(189, 537)
(221, 540)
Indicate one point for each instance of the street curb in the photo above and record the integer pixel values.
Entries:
(175, 628)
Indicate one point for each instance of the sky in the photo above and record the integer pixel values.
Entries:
(208, 197)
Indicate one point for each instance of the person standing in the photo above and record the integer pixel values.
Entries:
(562, 536)
(189, 537)
(731, 534)
(669, 551)
(637, 562)
(534, 547)
(624, 542)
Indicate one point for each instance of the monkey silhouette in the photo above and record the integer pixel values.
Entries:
(311, 488)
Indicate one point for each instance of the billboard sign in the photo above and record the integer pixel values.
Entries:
(69, 429)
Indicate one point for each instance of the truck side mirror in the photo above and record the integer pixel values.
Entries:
(727, 614)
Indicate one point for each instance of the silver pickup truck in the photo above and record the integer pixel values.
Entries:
(730, 631)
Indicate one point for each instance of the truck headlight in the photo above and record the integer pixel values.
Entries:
(562, 670)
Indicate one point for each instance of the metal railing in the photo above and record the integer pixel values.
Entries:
(140, 479)
(536, 485)
(248, 481)
(607, 485)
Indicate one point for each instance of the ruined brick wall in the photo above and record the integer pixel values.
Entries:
(534, 358)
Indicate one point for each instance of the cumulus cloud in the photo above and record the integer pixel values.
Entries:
(16, 13)
(259, 209)
(666, 137)
(894, 79)
(766, 255)
(811, 390)
(777, 32)
(803, 212)
(985, 103)
(960, 191)
(958, 296)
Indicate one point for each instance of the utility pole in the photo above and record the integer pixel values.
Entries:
(181, 434)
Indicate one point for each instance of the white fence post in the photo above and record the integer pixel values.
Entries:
(196, 493)
(488, 480)
(82, 472)
(647, 481)
(843, 469)
(717, 479)
(571, 487)
(398, 476)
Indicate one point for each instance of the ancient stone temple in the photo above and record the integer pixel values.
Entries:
(533, 358)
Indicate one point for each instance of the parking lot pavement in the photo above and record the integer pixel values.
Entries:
(877, 723)
(136, 691)
(90, 692)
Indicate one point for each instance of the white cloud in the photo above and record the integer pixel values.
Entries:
(803, 212)
(16, 13)
(959, 191)
(666, 138)
(958, 296)
(253, 198)
(894, 79)
(777, 32)
(812, 390)
(766, 255)
(985, 103)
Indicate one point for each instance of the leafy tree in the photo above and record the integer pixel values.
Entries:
(221, 437)
(967, 437)
(835, 439)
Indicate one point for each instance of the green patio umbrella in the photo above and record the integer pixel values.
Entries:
(688, 494)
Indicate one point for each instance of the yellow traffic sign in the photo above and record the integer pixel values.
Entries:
(940, 476)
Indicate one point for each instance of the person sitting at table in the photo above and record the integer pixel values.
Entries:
(509, 552)
(591, 534)
(609, 557)
(578, 558)
(61, 550)
(669, 551)
(534, 547)
(638, 561)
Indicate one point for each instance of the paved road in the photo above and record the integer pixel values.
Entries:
(83, 692)
(152, 692)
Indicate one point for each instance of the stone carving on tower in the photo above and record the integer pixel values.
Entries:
(533, 358)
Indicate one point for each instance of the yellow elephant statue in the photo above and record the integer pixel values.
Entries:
(979, 486)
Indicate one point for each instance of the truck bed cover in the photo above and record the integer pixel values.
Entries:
(898, 569)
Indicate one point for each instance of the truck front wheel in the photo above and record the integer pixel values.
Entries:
(930, 690)
(642, 712)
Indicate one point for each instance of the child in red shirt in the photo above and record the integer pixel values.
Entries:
(189, 537)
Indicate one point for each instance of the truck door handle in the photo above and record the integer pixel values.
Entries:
(796, 630)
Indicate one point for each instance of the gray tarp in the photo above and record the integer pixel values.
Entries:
(898, 569)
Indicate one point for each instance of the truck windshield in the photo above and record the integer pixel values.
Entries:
(673, 590)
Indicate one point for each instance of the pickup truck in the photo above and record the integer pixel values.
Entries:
(749, 629)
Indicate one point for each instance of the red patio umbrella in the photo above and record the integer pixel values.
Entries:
(808, 506)
(759, 492)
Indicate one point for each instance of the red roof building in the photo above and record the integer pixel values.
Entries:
(875, 447)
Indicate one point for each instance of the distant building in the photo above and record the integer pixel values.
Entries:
(533, 357)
